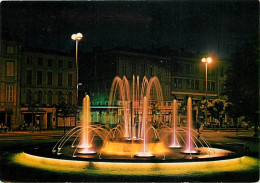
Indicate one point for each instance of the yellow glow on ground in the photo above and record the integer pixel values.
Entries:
(112, 168)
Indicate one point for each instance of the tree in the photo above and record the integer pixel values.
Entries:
(65, 110)
(217, 110)
(242, 83)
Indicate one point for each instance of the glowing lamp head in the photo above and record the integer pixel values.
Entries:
(77, 36)
(73, 36)
(208, 60)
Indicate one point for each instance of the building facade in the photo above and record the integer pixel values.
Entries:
(180, 76)
(9, 83)
(47, 78)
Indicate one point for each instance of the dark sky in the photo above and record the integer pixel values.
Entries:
(206, 26)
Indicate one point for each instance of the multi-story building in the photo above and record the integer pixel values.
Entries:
(9, 82)
(180, 75)
(47, 78)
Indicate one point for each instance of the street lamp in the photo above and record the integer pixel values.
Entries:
(206, 61)
(77, 37)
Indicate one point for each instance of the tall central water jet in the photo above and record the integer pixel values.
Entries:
(189, 149)
(85, 143)
(145, 152)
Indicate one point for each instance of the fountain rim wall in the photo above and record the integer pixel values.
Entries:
(32, 150)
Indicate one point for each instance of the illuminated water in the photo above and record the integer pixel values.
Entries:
(134, 137)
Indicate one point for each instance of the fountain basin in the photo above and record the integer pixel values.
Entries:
(171, 156)
(137, 166)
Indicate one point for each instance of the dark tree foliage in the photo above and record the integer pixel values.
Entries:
(242, 82)
(65, 110)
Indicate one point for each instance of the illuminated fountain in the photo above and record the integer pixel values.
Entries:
(134, 139)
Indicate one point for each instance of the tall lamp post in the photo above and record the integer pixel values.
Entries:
(77, 37)
(206, 61)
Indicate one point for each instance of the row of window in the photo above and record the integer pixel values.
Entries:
(177, 67)
(9, 94)
(49, 97)
(39, 78)
(194, 84)
(49, 62)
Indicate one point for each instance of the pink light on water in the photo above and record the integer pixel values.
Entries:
(175, 143)
(85, 145)
(189, 149)
(144, 123)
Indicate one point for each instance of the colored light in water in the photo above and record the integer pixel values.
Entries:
(85, 146)
(175, 143)
(189, 149)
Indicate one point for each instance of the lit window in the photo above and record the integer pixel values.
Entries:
(9, 68)
(9, 93)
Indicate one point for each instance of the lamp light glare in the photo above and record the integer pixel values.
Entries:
(209, 59)
(77, 36)
(73, 36)
(203, 60)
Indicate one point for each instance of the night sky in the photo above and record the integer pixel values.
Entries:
(217, 27)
